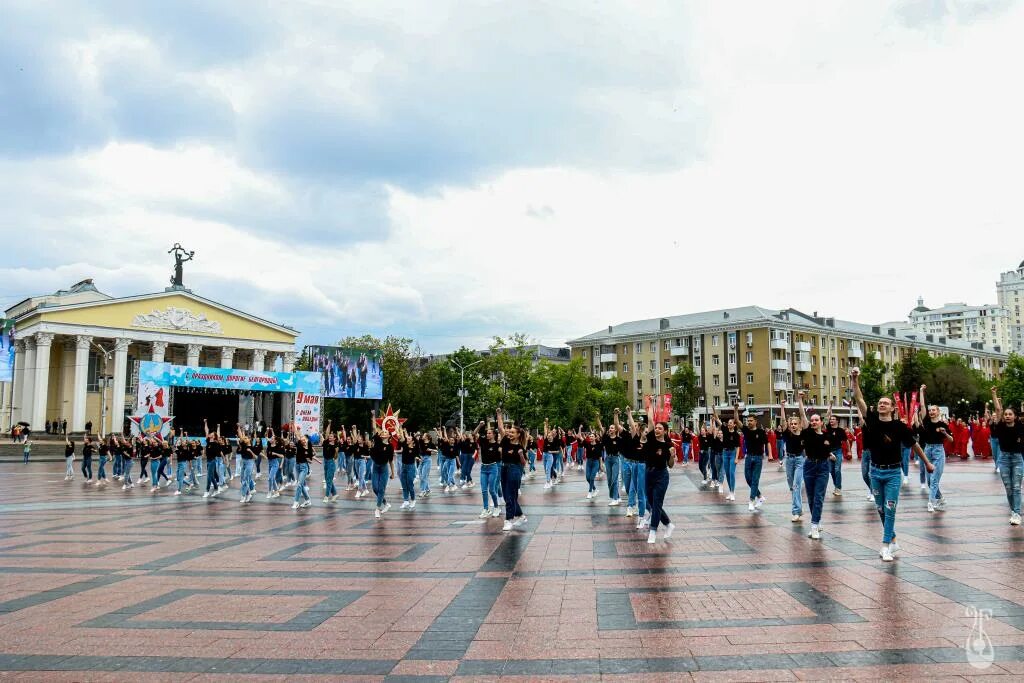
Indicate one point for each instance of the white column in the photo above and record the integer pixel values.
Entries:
(157, 351)
(288, 401)
(288, 364)
(192, 354)
(227, 356)
(78, 395)
(18, 388)
(28, 386)
(42, 378)
(258, 359)
(120, 380)
(268, 363)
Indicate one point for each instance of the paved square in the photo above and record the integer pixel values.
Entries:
(114, 585)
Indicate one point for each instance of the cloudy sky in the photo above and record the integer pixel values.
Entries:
(455, 170)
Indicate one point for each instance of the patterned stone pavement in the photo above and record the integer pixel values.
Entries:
(106, 585)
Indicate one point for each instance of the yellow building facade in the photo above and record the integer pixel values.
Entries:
(76, 351)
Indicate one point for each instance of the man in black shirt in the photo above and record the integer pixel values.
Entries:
(886, 437)
(755, 445)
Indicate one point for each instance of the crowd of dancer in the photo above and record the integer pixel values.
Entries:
(634, 458)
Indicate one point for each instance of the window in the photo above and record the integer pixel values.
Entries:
(715, 359)
(668, 344)
(822, 342)
(698, 382)
(696, 363)
(732, 378)
(718, 400)
(639, 404)
(842, 345)
(832, 344)
(750, 338)
(625, 368)
(639, 367)
(732, 340)
(597, 368)
(625, 349)
(639, 347)
(715, 381)
(639, 386)
(714, 340)
(668, 365)
(654, 347)
(584, 353)
(833, 381)
(750, 378)
(92, 382)
(653, 366)
(749, 357)
(750, 399)
(654, 384)
(732, 358)
(814, 380)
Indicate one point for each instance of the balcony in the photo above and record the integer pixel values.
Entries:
(609, 358)
(609, 374)
(855, 351)
(802, 346)
(780, 344)
(676, 351)
(802, 366)
(673, 369)
(780, 364)
(782, 385)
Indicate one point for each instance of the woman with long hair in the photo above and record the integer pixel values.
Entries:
(935, 433)
(730, 450)
(382, 455)
(792, 442)
(1009, 432)
(513, 462)
(304, 457)
(659, 457)
(819, 448)
(490, 470)
(330, 448)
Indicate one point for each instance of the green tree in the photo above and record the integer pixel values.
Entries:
(913, 371)
(682, 384)
(1011, 386)
(872, 380)
(952, 380)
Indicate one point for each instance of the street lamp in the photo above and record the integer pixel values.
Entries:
(103, 387)
(462, 390)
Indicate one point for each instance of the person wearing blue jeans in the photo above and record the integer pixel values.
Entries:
(382, 468)
(905, 453)
(330, 453)
(1009, 432)
(592, 451)
(612, 444)
(730, 450)
(101, 473)
(935, 432)
(659, 454)
(838, 436)
(467, 447)
(819, 447)
(248, 483)
(755, 446)
(303, 459)
(490, 474)
(886, 437)
(865, 470)
(996, 451)
(791, 442)
(426, 452)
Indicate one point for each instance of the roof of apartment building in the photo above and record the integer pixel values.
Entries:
(745, 315)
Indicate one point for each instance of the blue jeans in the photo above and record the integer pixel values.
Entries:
(511, 479)
(126, 471)
(593, 466)
(330, 467)
(379, 482)
(906, 462)
(362, 468)
(222, 469)
(248, 482)
(657, 487)
(816, 474)
(885, 485)
(496, 489)
(686, 451)
(531, 460)
(865, 467)
(273, 471)
(925, 476)
(154, 472)
(424, 472)
(835, 468)
(288, 469)
(549, 464)
(795, 479)
(556, 468)
(612, 467)
(489, 476)
(118, 465)
(466, 467)
(716, 466)
(342, 465)
(102, 472)
(729, 469)
(443, 463)
(87, 466)
(1011, 468)
(635, 479)
(180, 475)
(996, 451)
(407, 478)
(937, 454)
(211, 480)
(752, 466)
(300, 487)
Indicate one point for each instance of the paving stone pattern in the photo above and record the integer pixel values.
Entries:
(100, 584)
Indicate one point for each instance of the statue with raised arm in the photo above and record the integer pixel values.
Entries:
(180, 256)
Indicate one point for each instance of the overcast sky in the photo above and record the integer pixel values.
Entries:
(455, 170)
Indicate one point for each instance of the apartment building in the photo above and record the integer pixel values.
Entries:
(986, 324)
(751, 354)
(1010, 294)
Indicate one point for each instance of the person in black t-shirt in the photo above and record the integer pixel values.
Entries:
(730, 450)
(489, 447)
(837, 436)
(552, 454)
(69, 459)
(755, 445)
(588, 446)
(934, 432)
(791, 441)
(659, 455)
(331, 449)
(703, 454)
(446, 459)
(819, 447)
(611, 443)
(1008, 431)
(275, 454)
(513, 461)
(382, 455)
(885, 436)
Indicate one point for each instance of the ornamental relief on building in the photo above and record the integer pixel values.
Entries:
(178, 319)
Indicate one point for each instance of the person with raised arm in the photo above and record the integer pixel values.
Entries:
(837, 437)
(635, 472)
(246, 465)
(382, 455)
(659, 456)
(730, 450)
(1008, 430)
(330, 448)
(552, 453)
(792, 441)
(361, 449)
(819, 451)
(69, 459)
(212, 456)
(407, 455)
(512, 446)
(755, 444)
(467, 451)
(490, 470)
(275, 453)
(935, 433)
(886, 437)
(305, 456)
(611, 442)
(425, 451)
(445, 459)
(588, 445)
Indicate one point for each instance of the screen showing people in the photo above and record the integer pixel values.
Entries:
(348, 373)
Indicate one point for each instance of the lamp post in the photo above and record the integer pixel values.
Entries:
(103, 388)
(462, 390)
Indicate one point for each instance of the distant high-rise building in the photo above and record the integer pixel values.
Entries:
(987, 324)
(1010, 292)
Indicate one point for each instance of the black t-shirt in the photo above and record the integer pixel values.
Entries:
(612, 444)
(704, 441)
(303, 454)
(632, 448)
(755, 440)
(930, 434)
(381, 451)
(658, 454)
(511, 452)
(246, 451)
(836, 435)
(1011, 439)
(409, 453)
(717, 444)
(69, 450)
(104, 450)
(466, 446)
(818, 446)
(127, 451)
(886, 439)
(212, 450)
(730, 440)
(447, 449)
(275, 451)
(330, 450)
(553, 445)
(592, 450)
(490, 451)
(794, 442)
(165, 450)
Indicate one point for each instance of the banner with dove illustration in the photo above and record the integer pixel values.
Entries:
(168, 375)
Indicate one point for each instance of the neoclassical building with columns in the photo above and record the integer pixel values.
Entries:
(77, 345)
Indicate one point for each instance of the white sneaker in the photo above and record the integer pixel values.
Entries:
(590, 494)
(906, 480)
(547, 485)
(731, 496)
(931, 506)
(640, 523)
(485, 513)
(412, 505)
(295, 506)
(177, 493)
(669, 529)
(703, 482)
(837, 492)
(376, 513)
(614, 503)
(630, 511)
(306, 504)
(495, 512)
(759, 502)
(652, 537)
(405, 504)
(206, 494)
(795, 518)
(1015, 519)
(270, 495)
(387, 506)
(815, 532)
(886, 554)
(894, 548)
(871, 497)
(519, 520)
(750, 506)
(242, 499)
(507, 526)
(924, 487)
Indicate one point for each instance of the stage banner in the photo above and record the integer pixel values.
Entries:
(6, 350)
(168, 375)
(307, 413)
(348, 372)
(151, 417)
